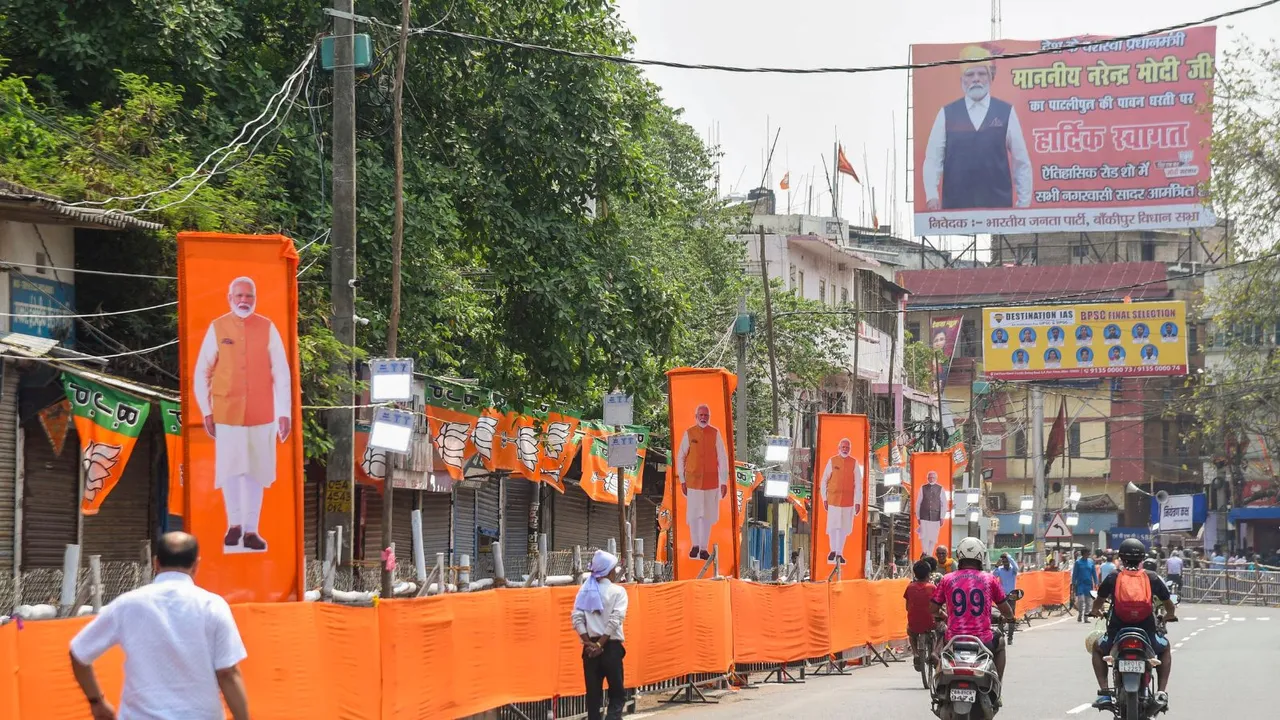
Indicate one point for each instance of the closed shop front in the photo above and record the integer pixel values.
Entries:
(311, 519)
(49, 489)
(401, 525)
(569, 518)
(515, 544)
(464, 523)
(437, 515)
(8, 464)
(604, 524)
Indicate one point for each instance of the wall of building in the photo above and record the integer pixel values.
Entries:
(50, 245)
(1204, 245)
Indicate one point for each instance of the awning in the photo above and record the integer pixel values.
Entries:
(23, 204)
(1254, 513)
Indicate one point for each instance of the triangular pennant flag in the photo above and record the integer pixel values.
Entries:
(109, 422)
(843, 165)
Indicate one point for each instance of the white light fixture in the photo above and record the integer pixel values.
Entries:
(975, 515)
(777, 449)
(1074, 496)
(391, 379)
(392, 430)
(1024, 519)
(975, 496)
(892, 505)
(777, 485)
(1073, 519)
(893, 477)
(1028, 503)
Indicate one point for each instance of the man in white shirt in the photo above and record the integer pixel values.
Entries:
(598, 614)
(976, 156)
(1173, 568)
(181, 646)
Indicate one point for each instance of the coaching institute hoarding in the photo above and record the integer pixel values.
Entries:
(1085, 341)
(1107, 137)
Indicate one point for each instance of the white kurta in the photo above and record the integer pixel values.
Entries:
(245, 450)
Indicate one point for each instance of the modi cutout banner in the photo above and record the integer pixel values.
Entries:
(1066, 342)
(108, 422)
(242, 440)
(171, 418)
(1095, 135)
(839, 507)
(704, 514)
(930, 502)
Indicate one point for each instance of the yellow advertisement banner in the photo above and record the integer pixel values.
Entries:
(1089, 340)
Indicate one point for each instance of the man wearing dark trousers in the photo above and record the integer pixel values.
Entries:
(598, 615)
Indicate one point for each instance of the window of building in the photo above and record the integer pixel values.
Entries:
(800, 286)
(1148, 250)
(1073, 440)
(822, 289)
(844, 295)
(1020, 443)
(913, 329)
(792, 276)
(1193, 338)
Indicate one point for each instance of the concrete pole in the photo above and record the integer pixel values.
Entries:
(1037, 466)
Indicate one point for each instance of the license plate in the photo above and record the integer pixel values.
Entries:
(1132, 666)
(963, 695)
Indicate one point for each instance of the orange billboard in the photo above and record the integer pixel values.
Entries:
(839, 527)
(930, 502)
(705, 514)
(242, 411)
(1093, 135)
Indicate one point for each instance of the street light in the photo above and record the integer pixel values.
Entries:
(1024, 518)
(1073, 519)
(1028, 503)
(974, 514)
(777, 449)
(1074, 497)
(893, 477)
(893, 504)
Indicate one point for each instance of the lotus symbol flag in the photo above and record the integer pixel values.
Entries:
(98, 459)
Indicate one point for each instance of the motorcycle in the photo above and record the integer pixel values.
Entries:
(966, 685)
(1133, 662)
(998, 621)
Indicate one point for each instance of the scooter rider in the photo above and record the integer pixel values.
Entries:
(1126, 588)
(966, 597)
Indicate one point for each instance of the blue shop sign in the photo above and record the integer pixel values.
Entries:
(35, 302)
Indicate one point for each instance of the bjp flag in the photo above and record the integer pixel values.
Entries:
(108, 422)
(558, 444)
(748, 479)
(453, 410)
(242, 419)
(171, 417)
(600, 481)
(840, 491)
(930, 503)
(704, 513)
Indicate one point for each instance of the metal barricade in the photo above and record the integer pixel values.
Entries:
(1259, 587)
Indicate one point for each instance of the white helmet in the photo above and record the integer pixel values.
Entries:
(971, 549)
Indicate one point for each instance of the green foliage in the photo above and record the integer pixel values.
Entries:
(920, 362)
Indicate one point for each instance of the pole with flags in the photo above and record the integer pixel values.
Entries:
(843, 166)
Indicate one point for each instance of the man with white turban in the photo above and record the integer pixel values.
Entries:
(598, 614)
(245, 395)
(702, 464)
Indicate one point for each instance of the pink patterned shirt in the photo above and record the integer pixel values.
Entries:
(968, 595)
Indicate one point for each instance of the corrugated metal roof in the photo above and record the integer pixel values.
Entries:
(1034, 283)
(27, 205)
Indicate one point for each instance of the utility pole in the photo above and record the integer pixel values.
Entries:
(624, 542)
(773, 379)
(1037, 466)
(893, 440)
(340, 471)
(975, 458)
(742, 328)
(857, 342)
(397, 250)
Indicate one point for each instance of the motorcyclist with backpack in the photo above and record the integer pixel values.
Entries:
(1132, 591)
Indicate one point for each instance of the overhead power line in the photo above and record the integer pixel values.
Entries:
(649, 62)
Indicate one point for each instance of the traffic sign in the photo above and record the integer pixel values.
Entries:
(1058, 528)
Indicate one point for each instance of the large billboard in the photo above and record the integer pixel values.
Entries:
(1054, 342)
(1106, 137)
(242, 413)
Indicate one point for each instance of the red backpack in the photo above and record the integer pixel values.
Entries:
(1132, 603)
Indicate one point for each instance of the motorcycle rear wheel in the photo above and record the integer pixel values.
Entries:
(1131, 707)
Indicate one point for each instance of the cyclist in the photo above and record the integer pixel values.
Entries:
(1133, 592)
(966, 597)
(919, 614)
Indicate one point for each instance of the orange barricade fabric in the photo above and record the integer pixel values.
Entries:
(773, 623)
(887, 611)
(46, 687)
(1032, 586)
(416, 638)
(849, 612)
(9, 672)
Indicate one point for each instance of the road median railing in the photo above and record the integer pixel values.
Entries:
(460, 654)
(1258, 587)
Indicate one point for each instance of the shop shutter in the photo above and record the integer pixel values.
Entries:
(311, 519)
(8, 462)
(569, 518)
(646, 524)
(437, 514)
(49, 494)
(515, 546)
(402, 526)
(464, 523)
(372, 505)
(123, 522)
(604, 524)
(488, 498)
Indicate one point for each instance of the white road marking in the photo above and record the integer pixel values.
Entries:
(1190, 619)
(1175, 647)
(1262, 619)
(1079, 709)
(1239, 619)
(1214, 619)
(1055, 622)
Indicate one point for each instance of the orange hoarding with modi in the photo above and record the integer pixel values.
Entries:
(1092, 135)
(930, 503)
(704, 514)
(242, 414)
(839, 515)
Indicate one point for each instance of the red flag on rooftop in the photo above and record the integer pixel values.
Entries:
(786, 181)
(843, 165)
(1057, 437)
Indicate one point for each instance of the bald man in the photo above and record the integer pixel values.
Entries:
(245, 394)
(841, 490)
(702, 464)
(182, 649)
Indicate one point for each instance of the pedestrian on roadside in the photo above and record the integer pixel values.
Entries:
(181, 646)
(1107, 567)
(1083, 581)
(1173, 568)
(598, 615)
(1218, 561)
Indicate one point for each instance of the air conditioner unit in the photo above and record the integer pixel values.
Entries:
(996, 501)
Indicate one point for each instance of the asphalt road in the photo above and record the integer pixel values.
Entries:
(1223, 667)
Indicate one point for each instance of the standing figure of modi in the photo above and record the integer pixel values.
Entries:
(243, 388)
(841, 497)
(702, 465)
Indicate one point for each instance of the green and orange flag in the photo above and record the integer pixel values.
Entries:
(600, 481)
(453, 409)
(109, 423)
(171, 417)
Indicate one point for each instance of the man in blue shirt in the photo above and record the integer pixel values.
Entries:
(1106, 569)
(1007, 572)
(1083, 582)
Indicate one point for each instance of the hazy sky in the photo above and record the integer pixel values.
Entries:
(867, 110)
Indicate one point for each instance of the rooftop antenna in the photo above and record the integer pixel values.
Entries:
(996, 30)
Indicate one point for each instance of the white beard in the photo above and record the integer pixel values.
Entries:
(977, 94)
(242, 314)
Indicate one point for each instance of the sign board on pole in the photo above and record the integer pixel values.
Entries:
(1058, 528)
(623, 449)
(777, 485)
(1176, 513)
(390, 379)
(618, 409)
